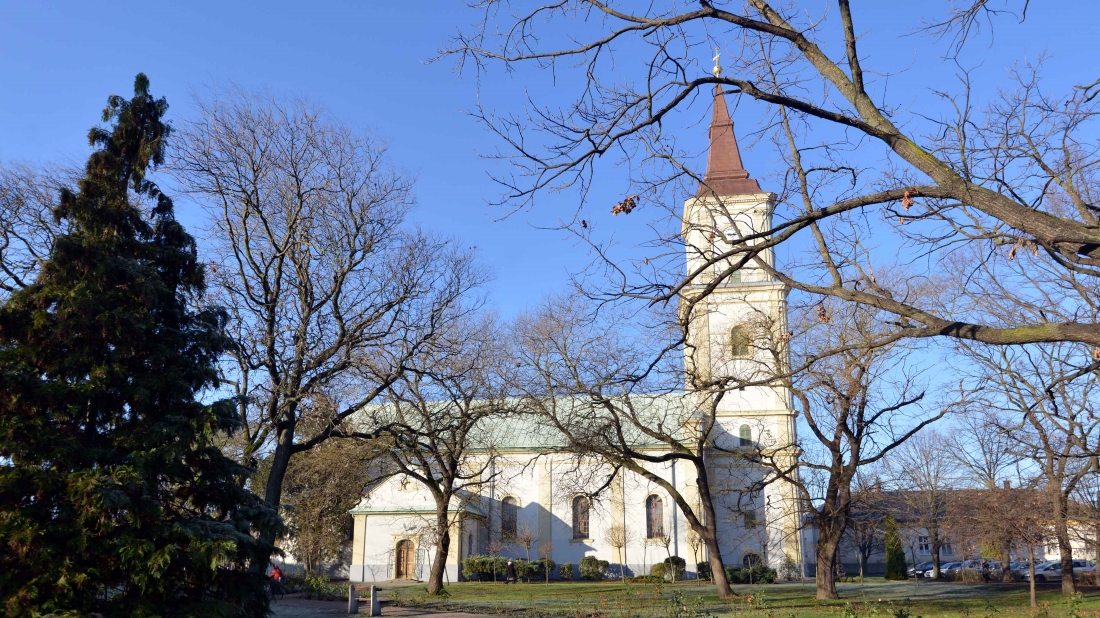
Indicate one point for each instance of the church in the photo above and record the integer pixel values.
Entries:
(529, 497)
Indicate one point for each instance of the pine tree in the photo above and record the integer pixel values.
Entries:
(114, 497)
(895, 553)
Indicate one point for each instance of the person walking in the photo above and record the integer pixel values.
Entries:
(510, 573)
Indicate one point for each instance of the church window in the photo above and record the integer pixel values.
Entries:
(508, 508)
(581, 508)
(740, 342)
(745, 435)
(751, 559)
(654, 517)
(750, 520)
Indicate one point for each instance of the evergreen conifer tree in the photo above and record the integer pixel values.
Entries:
(895, 553)
(114, 497)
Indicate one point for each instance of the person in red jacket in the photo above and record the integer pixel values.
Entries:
(277, 574)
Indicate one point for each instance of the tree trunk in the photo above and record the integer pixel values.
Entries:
(709, 532)
(442, 548)
(1061, 530)
(1006, 556)
(935, 559)
(1031, 572)
(273, 490)
(827, 549)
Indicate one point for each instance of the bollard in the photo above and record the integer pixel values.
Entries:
(353, 600)
(375, 604)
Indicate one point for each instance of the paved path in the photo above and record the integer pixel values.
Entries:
(294, 607)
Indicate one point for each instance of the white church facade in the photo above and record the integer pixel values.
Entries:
(529, 495)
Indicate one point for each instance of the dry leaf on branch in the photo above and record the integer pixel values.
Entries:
(906, 200)
(626, 206)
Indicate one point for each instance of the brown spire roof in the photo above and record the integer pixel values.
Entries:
(725, 173)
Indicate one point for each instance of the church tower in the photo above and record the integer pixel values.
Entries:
(736, 312)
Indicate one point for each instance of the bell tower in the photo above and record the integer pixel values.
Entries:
(735, 309)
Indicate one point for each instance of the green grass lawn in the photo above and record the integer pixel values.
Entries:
(787, 600)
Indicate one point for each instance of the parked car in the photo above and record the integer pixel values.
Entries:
(1052, 570)
(950, 567)
(920, 569)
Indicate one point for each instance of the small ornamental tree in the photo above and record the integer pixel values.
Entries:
(895, 553)
(114, 496)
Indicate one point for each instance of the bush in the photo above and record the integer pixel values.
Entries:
(538, 569)
(758, 574)
(789, 569)
(565, 571)
(702, 570)
(659, 570)
(1088, 578)
(482, 567)
(317, 586)
(675, 567)
(593, 569)
(969, 576)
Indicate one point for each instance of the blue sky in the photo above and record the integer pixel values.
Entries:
(366, 61)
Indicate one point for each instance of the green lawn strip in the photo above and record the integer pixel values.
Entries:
(874, 598)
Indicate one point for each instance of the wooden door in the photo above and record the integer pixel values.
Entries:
(405, 560)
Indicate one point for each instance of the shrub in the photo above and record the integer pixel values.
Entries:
(593, 569)
(483, 567)
(789, 569)
(895, 554)
(969, 576)
(539, 568)
(317, 586)
(702, 570)
(758, 574)
(659, 570)
(1088, 578)
(675, 567)
(565, 571)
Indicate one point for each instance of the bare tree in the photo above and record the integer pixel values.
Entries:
(618, 538)
(28, 197)
(546, 550)
(925, 479)
(860, 400)
(1013, 176)
(979, 446)
(865, 533)
(526, 538)
(329, 297)
(695, 543)
(1044, 396)
(1017, 517)
(439, 418)
(579, 377)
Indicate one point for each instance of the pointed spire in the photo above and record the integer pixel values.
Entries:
(726, 174)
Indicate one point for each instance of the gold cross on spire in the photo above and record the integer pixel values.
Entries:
(717, 70)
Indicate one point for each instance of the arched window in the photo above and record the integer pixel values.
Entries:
(508, 517)
(580, 517)
(740, 342)
(751, 559)
(745, 433)
(654, 517)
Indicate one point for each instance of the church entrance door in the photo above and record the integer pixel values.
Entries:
(405, 555)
